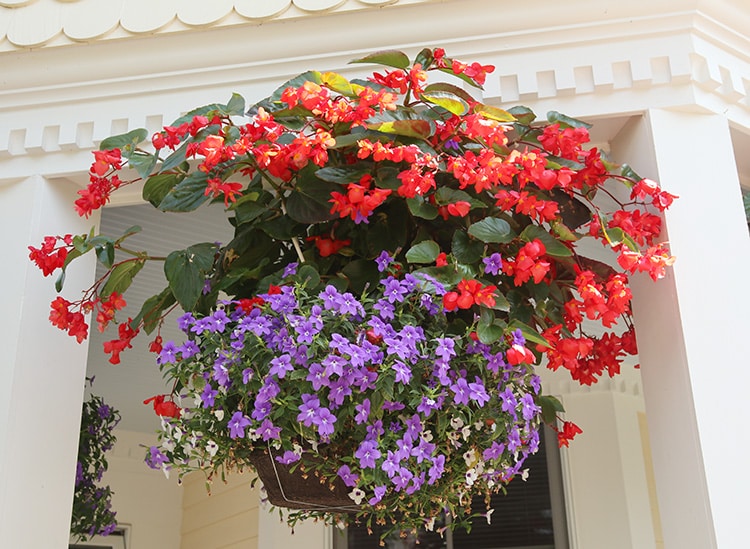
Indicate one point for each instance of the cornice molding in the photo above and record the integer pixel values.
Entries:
(54, 110)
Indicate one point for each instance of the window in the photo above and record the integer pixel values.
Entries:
(530, 516)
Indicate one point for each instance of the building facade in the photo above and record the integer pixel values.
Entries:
(666, 85)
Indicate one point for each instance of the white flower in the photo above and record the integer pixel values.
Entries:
(426, 435)
(212, 448)
(488, 515)
(430, 524)
(219, 414)
(470, 457)
(357, 495)
(457, 422)
(524, 474)
(471, 476)
(466, 432)
(168, 445)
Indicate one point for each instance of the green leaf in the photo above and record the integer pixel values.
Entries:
(617, 236)
(360, 273)
(158, 186)
(296, 82)
(342, 174)
(627, 171)
(106, 254)
(281, 228)
(555, 117)
(303, 208)
(175, 159)
(186, 272)
(152, 308)
(494, 113)
(447, 100)
(121, 277)
(338, 83)
(492, 229)
(523, 115)
(573, 212)
(236, 105)
(554, 247)
(464, 249)
(143, 163)
(550, 407)
(187, 195)
(308, 274)
(419, 208)
(409, 128)
(448, 70)
(501, 302)
(489, 333)
(389, 58)
(126, 141)
(529, 333)
(451, 89)
(423, 252)
(424, 58)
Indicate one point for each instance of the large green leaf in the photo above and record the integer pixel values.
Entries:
(121, 277)
(409, 128)
(420, 208)
(186, 272)
(447, 100)
(555, 117)
(176, 158)
(187, 195)
(554, 247)
(126, 141)
(617, 236)
(550, 407)
(492, 229)
(338, 83)
(489, 332)
(152, 308)
(342, 174)
(450, 88)
(464, 249)
(158, 186)
(389, 58)
(143, 163)
(523, 115)
(494, 113)
(309, 202)
(236, 105)
(423, 252)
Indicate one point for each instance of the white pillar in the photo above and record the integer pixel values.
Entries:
(42, 371)
(692, 330)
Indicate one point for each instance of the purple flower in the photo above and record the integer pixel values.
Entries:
(494, 451)
(208, 396)
(402, 478)
(329, 296)
(423, 450)
(393, 290)
(518, 338)
(477, 392)
(391, 406)
(528, 408)
(383, 260)
(156, 458)
(168, 354)
(460, 391)
(363, 411)
(493, 264)
(290, 270)
(189, 349)
(437, 469)
(280, 366)
(308, 410)
(445, 348)
(185, 321)
(237, 425)
(288, 457)
(268, 430)
(379, 492)
(403, 372)
(390, 464)
(247, 375)
(325, 421)
(349, 478)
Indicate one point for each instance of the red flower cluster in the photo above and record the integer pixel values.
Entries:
(162, 407)
(72, 321)
(565, 143)
(528, 263)
(604, 302)
(49, 256)
(216, 187)
(469, 292)
(653, 261)
(527, 204)
(568, 433)
(460, 208)
(328, 246)
(359, 201)
(97, 193)
(116, 346)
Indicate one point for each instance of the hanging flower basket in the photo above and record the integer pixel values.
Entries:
(404, 258)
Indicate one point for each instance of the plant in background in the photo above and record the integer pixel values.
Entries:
(92, 503)
(403, 257)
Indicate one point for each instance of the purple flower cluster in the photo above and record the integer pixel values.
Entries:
(376, 375)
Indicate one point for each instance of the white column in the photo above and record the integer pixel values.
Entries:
(692, 330)
(42, 371)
